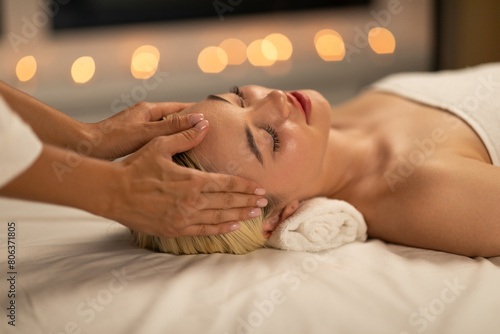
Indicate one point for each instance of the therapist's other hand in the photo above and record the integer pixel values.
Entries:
(164, 199)
(132, 128)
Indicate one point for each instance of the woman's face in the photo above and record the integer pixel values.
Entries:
(268, 136)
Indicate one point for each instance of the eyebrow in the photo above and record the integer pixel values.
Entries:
(250, 139)
(253, 147)
(217, 98)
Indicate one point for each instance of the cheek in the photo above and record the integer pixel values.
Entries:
(303, 156)
(293, 157)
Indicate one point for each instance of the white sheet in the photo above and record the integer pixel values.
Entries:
(77, 273)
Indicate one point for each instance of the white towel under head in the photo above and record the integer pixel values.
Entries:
(319, 223)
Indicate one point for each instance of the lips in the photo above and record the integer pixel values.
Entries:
(302, 102)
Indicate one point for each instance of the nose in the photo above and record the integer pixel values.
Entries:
(277, 100)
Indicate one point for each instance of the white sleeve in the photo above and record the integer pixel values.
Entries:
(19, 146)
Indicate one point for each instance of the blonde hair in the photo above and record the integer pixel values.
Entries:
(244, 240)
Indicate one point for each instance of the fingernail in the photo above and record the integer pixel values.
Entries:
(255, 212)
(262, 202)
(201, 125)
(259, 191)
(234, 226)
(195, 119)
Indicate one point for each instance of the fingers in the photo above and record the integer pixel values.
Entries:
(229, 201)
(217, 216)
(193, 215)
(186, 140)
(212, 222)
(217, 182)
(176, 123)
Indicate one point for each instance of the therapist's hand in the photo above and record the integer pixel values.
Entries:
(109, 139)
(164, 199)
(132, 128)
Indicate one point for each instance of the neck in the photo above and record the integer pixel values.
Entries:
(354, 160)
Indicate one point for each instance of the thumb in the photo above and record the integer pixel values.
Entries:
(187, 139)
(175, 124)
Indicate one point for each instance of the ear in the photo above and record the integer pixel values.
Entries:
(271, 223)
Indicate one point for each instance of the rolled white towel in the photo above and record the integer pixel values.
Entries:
(319, 223)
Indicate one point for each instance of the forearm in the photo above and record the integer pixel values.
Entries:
(49, 124)
(64, 177)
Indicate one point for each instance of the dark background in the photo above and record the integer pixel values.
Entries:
(92, 13)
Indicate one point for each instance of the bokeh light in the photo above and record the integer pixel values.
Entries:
(26, 68)
(145, 61)
(282, 44)
(236, 51)
(381, 40)
(261, 52)
(83, 69)
(212, 59)
(329, 45)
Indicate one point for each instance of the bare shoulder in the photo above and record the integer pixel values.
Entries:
(449, 203)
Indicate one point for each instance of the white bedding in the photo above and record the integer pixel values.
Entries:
(77, 273)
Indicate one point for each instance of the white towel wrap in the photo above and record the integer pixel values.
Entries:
(319, 223)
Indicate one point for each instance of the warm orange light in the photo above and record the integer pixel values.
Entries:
(381, 40)
(26, 68)
(329, 45)
(282, 44)
(269, 50)
(144, 61)
(236, 51)
(212, 59)
(262, 53)
(83, 69)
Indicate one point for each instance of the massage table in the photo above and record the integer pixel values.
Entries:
(78, 273)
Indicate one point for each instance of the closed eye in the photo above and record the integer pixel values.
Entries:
(274, 135)
(269, 129)
(236, 90)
